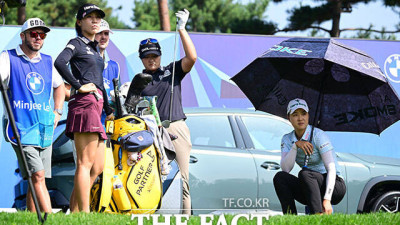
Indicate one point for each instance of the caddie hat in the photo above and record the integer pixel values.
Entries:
(34, 23)
(296, 103)
(87, 9)
(104, 26)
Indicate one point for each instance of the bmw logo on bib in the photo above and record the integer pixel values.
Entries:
(35, 83)
(392, 68)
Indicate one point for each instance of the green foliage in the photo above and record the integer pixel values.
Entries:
(145, 15)
(392, 2)
(103, 218)
(225, 16)
(368, 34)
(315, 33)
(307, 17)
(60, 13)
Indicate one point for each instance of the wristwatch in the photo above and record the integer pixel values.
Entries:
(59, 111)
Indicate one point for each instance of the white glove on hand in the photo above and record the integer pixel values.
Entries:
(183, 17)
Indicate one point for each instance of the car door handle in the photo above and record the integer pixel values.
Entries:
(193, 159)
(271, 166)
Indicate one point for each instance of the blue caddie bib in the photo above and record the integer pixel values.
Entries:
(30, 90)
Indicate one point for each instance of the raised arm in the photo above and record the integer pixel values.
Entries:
(188, 46)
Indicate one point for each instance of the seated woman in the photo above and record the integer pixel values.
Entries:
(319, 184)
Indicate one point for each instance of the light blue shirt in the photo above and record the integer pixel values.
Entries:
(321, 144)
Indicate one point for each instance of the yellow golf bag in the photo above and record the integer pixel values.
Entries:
(100, 194)
(141, 190)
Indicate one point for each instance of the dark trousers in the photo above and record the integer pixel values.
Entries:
(308, 189)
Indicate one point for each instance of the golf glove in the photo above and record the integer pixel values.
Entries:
(183, 17)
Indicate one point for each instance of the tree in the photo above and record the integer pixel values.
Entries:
(307, 17)
(59, 13)
(368, 34)
(225, 16)
(145, 15)
(164, 15)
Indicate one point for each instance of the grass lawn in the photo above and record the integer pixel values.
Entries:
(100, 218)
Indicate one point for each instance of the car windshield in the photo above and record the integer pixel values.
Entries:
(266, 133)
(210, 130)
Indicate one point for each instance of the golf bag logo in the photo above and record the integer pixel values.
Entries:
(35, 83)
(392, 68)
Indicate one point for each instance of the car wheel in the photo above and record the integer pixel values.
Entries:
(388, 202)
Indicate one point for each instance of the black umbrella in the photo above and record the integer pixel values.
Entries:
(344, 87)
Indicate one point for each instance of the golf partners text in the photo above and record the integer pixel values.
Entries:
(246, 203)
(205, 219)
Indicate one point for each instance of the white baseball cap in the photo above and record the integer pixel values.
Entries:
(104, 26)
(296, 103)
(34, 23)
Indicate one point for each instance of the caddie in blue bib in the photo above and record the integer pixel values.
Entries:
(30, 90)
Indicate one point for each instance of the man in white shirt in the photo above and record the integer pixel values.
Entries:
(30, 78)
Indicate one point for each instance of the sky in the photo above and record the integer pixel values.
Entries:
(362, 15)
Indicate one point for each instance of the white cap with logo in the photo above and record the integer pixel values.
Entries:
(296, 103)
(104, 26)
(34, 23)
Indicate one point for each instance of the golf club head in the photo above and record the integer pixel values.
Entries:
(166, 123)
(139, 83)
(132, 101)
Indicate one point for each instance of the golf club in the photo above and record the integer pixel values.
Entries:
(166, 123)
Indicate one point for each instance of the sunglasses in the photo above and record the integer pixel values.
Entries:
(35, 34)
(148, 40)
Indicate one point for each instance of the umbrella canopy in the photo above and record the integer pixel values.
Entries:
(344, 87)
